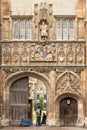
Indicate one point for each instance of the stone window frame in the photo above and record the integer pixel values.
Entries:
(38, 96)
(45, 97)
(45, 104)
(24, 19)
(68, 18)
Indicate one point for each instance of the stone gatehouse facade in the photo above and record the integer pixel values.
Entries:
(45, 40)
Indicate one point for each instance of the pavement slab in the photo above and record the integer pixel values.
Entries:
(43, 128)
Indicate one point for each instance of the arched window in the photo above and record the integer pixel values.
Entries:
(65, 29)
(16, 30)
(59, 29)
(71, 29)
(28, 30)
(22, 29)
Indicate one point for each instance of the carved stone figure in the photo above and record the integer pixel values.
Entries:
(43, 30)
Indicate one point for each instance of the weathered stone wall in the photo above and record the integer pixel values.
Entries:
(14, 8)
(26, 7)
(0, 20)
(2, 80)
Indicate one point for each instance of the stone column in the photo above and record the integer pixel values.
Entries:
(51, 111)
(80, 11)
(1, 93)
(0, 19)
(86, 97)
(80, 121)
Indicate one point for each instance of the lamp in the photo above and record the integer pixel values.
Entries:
(68, 101)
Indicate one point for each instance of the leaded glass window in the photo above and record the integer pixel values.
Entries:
(16, 30)
(28, 30)
(65, 29)
(22, 29)
(59, 29)
(71, 29)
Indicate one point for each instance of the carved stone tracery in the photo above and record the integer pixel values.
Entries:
(68, 83)
(79, 53)
(43, 11)
(70, 53)
(61, 53)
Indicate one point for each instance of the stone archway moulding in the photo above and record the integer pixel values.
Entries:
(66, 73)
(22, 74)
(18, 75)
(68, 82)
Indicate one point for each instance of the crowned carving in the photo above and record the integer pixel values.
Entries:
(68, 83)
(79, 53)
(24, 53)
(15, 58)
(6, 50)
(44, 52)
(43, 11)
(16, 48)
(15, 53)
(61, 53)
(70, 54)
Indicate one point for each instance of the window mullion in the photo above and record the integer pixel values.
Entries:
(25, 30)
(62, 29)
(68, 28)
(19, 29)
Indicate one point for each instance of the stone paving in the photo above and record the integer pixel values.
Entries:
(43, 128)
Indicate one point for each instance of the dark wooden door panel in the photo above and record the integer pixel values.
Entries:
(68, 112)
(19, 94)
(18, 112)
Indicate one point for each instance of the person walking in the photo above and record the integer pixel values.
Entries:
(43, 119)
(38, 116)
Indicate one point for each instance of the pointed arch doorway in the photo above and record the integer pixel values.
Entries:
(19, 99)
(68, 112)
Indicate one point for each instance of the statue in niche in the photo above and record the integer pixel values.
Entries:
(43, 30)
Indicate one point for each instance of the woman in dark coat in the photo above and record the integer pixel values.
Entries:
(44, 119)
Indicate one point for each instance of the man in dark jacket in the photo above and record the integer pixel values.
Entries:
(38, 113)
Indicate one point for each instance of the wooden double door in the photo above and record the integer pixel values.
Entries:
(19, 103)
(68, 112)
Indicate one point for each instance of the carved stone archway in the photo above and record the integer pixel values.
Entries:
(68, 85)
(68, 82)
(16, 76)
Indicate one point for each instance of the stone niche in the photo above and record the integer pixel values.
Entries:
(43, 21)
